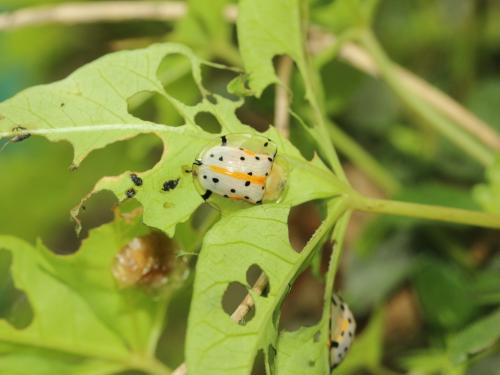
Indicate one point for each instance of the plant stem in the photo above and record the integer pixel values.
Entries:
(337, 246)
(363, 160)
(417, 106)
(150, 365)
(424, 211)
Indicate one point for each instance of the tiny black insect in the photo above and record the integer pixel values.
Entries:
(170, 185)
(21, 136)
(130, 193)
(136, 179)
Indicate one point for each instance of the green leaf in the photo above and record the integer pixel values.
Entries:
(445, 294)
(488, 195)
(204, 27)
(89, 109)
(300, 352)
(257, 235)
(83, 322)
(475, 338)
(433, 361)
(383, 269)
(342, 15)
(267, 29)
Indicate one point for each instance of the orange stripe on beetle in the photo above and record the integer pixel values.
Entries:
(257, 180)
(247, 152)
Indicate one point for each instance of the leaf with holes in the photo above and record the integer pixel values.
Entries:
(307, 350)
(89, 109)
(82, 322)
(267, 29)
(241, 239)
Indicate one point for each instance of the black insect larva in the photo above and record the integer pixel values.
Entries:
(170, 185)
(136, 179)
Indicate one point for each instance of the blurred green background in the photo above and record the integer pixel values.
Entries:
(413, 285)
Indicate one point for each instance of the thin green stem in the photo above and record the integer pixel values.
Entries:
(417, 106)
(363, 160)
(337, 246)
(150, 365)
(314, 95)
(423, 211)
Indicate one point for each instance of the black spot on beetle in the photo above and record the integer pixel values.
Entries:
(224, 140)
(259, 202)
(247, 183)
(233, 190)
(205, 177)
(247, 197)
(215, 180)
(211, 155)
(267, 173)
(221, 158)
(136, 179)
(250, 173)
(242, 158)
(257, 158)
(335, 344)
(130, 193)
(270, 159)
(226, 196)
(170, 185)
(266, 144)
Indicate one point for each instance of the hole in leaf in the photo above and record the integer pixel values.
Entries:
(255, 273)
(170, 347)
(201, 215)
(301, 139)
(259, 364)
(151, 106)
(304, 304)
(60, 189)
(258, 112)
(175, 73)
(303, 221)
(233, 299)
(208, 122)
(216, 81)
(14, 304)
